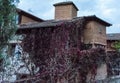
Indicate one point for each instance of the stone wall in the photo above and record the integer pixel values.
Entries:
(65, 12)
(94, 33)
(25, 19)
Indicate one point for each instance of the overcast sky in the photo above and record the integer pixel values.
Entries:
(108, 10)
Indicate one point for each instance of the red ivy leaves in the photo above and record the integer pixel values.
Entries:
(58, 49)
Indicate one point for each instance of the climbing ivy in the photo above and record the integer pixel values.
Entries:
(57, 51)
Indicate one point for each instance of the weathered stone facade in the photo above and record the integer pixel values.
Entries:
(25, 19)
(65, 11)
(95, 34)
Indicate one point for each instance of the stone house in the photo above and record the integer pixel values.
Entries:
(94, 32)
(111, 39)
(82, 33)
(113, 54)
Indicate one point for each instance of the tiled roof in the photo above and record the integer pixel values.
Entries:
(50, 23)
(53, 23)
(113, 36)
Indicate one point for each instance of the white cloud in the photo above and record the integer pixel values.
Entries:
(47, 15)
(114, 29)
(104, 8)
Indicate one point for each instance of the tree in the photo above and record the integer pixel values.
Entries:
(7, 28)
(117, 45)
(7, 23)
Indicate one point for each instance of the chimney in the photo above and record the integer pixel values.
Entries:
(65, 10)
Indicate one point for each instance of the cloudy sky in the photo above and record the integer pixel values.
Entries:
(108, 10)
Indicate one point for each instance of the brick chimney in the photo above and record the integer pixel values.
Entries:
(65, 10)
